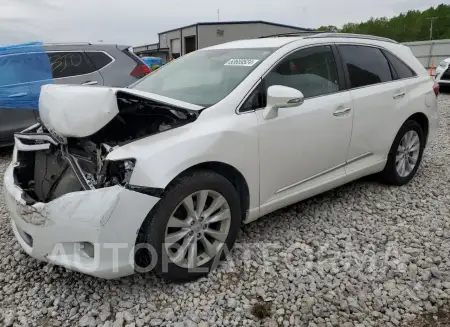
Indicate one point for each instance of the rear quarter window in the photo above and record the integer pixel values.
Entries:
(401, 70)
(99, 59)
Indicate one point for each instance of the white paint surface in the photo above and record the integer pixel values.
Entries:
(303, 143)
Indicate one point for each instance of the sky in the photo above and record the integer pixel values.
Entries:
(137, 22)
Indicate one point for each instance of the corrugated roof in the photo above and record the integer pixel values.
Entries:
(240, 22)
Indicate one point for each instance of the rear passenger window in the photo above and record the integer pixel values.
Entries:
(99, 59)
(365, 65)
(400, 68)
(67, 64)
(312, 71)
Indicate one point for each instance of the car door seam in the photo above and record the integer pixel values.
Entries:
(360, 157)
(311, 178)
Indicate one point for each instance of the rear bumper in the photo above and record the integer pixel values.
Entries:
(93, 232)
(433, 121)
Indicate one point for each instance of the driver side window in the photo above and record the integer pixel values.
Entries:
(312, 71)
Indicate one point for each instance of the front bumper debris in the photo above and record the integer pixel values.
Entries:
(107, 219)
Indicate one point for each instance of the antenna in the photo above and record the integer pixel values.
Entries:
(218, 15)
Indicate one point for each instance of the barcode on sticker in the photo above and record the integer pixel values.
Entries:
(241, 62)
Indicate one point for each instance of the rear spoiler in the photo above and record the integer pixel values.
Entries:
(122, 47)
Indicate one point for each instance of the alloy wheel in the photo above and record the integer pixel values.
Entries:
(197, 229)
(407, 153)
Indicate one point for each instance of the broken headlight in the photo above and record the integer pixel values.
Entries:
(117, 172)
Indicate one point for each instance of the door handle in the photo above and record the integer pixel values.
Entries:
(342, 111)
(399, 95)
(90, 83)
(17, 95)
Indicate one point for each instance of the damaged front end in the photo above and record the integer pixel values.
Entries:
(51, 159)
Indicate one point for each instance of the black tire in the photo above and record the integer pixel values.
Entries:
(444, 88)
(152, 232)
(390, 175)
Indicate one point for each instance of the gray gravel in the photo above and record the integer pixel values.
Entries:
(362, 255)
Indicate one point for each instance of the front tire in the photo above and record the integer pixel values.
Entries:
(405, 154)
(192, 226)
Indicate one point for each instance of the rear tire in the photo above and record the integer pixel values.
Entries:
(402, 164)
(444, 88)
(158, 228)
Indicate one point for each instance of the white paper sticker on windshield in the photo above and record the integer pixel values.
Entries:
(241, 62)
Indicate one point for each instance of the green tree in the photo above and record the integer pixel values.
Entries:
(329, 28)
(413, 25)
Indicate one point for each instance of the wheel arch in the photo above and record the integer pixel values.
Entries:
(389, 175)
(232, 174)
(423, 121)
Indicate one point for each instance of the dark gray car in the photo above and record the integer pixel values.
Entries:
(69, 63)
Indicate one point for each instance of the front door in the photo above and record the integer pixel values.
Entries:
(16, 112)
(306, 144)
(21, 74)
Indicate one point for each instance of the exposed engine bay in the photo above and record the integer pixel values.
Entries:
(51, 165)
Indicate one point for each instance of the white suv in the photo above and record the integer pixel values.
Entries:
(219, 137)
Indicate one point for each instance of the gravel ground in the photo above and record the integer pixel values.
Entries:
(362, 255)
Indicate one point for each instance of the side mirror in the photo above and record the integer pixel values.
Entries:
(279, 96)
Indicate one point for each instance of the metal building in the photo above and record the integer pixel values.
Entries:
(177, 42)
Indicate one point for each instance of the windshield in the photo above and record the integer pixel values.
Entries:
(203, 77)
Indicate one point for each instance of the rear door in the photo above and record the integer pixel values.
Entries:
(73, 67)
(377, 98)
(21, 74)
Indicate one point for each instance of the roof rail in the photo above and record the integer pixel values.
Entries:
(293, 34)
(331, 34)
(351, 35)
(69, 43)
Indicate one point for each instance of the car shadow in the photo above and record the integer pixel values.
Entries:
(5, 151)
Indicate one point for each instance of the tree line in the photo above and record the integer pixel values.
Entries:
(411, 26)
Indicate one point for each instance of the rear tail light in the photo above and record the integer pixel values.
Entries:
(140, 70)
(436, 88)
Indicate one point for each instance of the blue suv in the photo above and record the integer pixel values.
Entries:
(25, 68)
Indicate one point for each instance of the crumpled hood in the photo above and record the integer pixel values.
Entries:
(80, 111)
